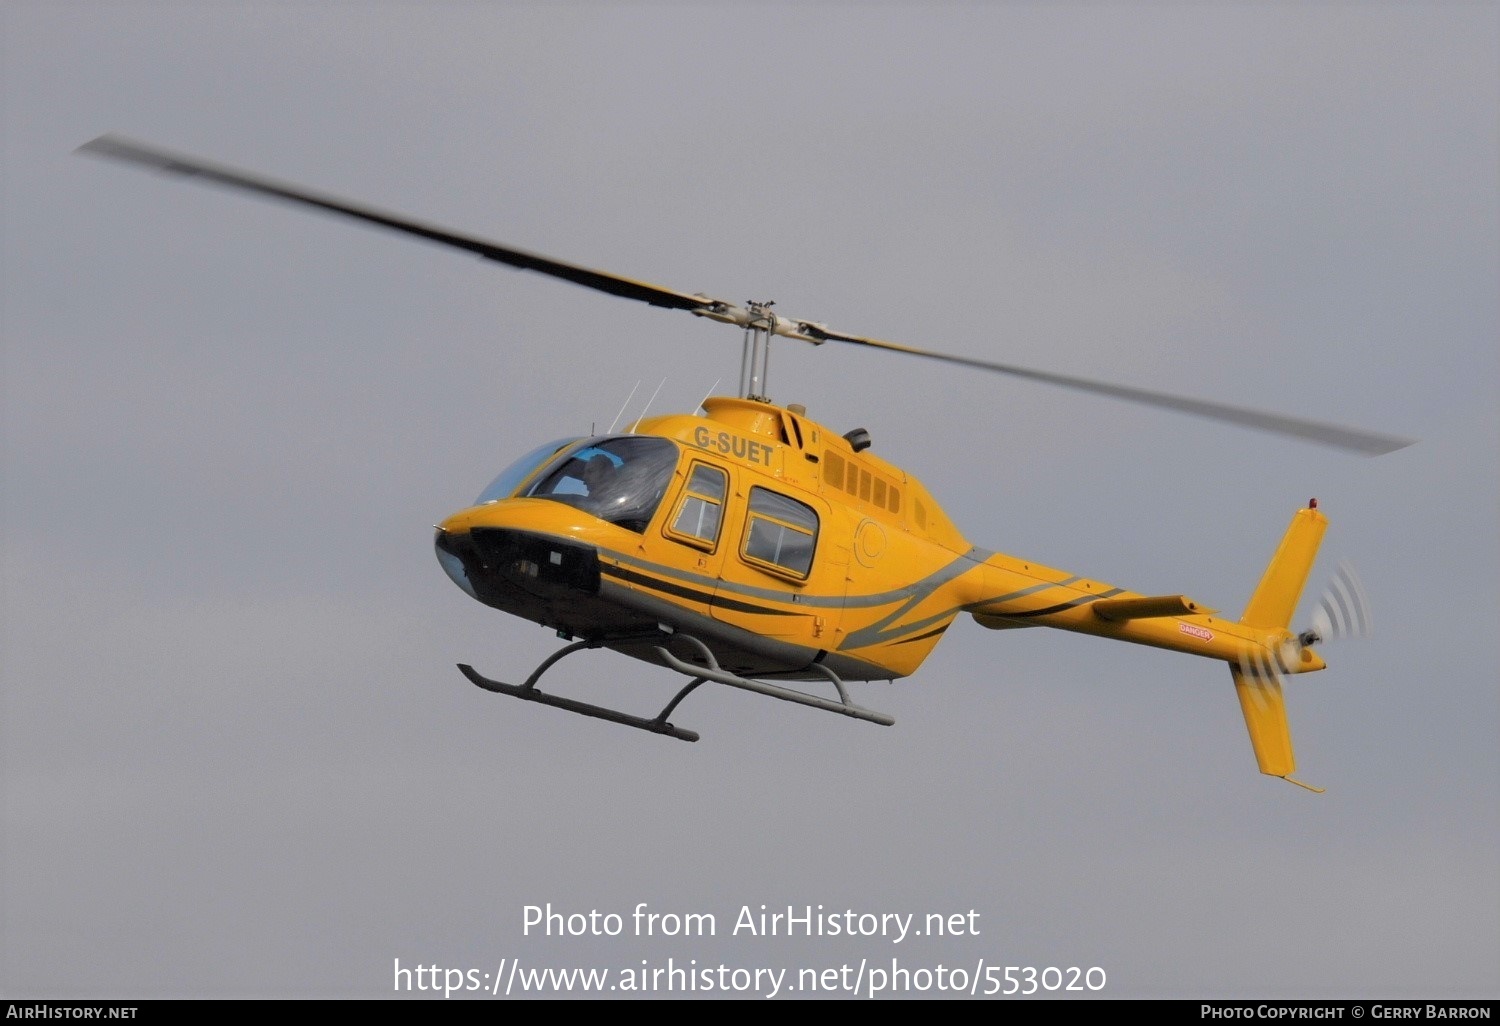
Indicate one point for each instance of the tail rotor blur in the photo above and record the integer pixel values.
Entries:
(1343, 610)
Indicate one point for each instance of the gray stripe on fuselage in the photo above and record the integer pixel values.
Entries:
(920, 589)
(872, 635)
(1063, 606)
(879, 632)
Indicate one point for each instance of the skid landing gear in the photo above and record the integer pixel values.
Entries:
(708, 670)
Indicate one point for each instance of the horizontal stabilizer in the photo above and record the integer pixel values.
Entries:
(1000, 623)
(1147, 606)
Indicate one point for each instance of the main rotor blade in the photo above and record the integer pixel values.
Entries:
(133, 152)
(1337, 436)
(149, 156)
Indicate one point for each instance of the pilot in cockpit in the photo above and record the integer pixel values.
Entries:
(598, 472)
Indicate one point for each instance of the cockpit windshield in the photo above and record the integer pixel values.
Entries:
(621, 479)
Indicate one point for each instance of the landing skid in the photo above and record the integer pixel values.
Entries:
(700, 674)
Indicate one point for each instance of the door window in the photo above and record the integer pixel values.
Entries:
(701, 509)
(781, 533)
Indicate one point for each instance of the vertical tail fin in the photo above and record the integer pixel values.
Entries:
(1257, 682)
(1260, 698)
(1275, 598)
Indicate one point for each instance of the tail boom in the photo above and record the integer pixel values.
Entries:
(1173, 622)
(1259, 647)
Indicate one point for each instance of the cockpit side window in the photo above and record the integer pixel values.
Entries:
(621, 480)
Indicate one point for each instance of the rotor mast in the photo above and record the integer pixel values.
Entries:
(755, 351)
(755, 354)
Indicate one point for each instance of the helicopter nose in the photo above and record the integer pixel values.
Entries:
(450, 558)
(491, 552)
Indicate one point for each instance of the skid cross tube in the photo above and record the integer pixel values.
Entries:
(528, 692)
(720, 676)
(700, 675)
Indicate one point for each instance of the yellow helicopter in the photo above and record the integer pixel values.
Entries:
(751, 546)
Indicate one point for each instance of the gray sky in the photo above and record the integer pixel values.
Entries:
(237, 758)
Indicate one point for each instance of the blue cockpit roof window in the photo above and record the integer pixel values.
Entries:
(519, 472)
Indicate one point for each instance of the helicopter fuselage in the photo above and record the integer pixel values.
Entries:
(780, 545)
(759, 532)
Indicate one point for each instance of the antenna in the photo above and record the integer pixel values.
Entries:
(648, 406)
(622, 409)
(711, 389)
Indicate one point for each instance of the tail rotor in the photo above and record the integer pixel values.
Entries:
(1343, 610)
